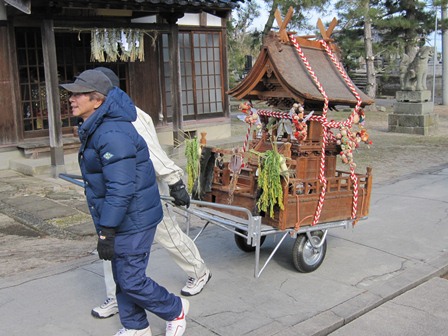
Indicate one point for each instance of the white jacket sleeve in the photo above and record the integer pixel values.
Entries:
(166, 169)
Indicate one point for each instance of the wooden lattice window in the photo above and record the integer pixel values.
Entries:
(73, 57)
(32, 79)
(202, 79)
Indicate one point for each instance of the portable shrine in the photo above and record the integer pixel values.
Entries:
(285, 170)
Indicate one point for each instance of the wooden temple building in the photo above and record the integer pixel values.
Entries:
(180, 80)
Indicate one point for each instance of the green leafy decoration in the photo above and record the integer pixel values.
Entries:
(193, 155)
(269, 181)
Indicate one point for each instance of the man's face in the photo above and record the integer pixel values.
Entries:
(82, 105)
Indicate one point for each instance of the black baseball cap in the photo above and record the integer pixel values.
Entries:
(110, 74)
(90, 81)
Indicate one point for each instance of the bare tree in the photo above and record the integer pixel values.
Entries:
(370, 58)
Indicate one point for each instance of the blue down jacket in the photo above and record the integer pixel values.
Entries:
(120, 181)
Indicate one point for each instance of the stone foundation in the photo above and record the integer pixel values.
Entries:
(413, 124)
(413, 113)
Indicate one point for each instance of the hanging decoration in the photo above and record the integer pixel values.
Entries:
(347, 142)
(193, 154)
(235, 165)
(272, 167)
(113, 44)
(251, 118)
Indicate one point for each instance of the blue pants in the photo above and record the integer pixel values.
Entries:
(135, 291)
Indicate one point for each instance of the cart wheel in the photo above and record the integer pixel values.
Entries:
(307, 258)
(242, 244)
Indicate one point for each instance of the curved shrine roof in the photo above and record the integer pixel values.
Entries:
(280, 77)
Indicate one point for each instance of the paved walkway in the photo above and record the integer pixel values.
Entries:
(379, 278)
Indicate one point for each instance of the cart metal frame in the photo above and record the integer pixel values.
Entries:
(248, 227)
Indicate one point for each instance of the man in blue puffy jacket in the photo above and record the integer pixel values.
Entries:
(123, 199)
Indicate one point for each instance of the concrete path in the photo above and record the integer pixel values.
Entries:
(379, 278)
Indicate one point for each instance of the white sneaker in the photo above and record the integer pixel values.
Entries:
(195, 286)
(177, 326)
(107, 309)
(134, 332)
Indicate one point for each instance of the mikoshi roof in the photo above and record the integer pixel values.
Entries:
(281, 77)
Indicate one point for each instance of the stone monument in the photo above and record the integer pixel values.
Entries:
(414, 110)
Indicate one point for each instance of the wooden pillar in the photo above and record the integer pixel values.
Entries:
(3, 16)
(8, 102)
(53, 100)
(224, 70)
(175, 76)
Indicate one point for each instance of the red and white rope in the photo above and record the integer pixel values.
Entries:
(349, 121)
(246, 140)
(347, 80)
(325, 129)
(311, 72)
(354, 179)
(278, 115)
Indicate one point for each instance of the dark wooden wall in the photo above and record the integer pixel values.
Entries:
(8, 125)
(144, 82)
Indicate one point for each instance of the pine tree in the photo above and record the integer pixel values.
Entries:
(242, 42)
(302, 9)
(396, 27)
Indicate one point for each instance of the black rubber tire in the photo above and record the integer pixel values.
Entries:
(305, 257)
(242, 244)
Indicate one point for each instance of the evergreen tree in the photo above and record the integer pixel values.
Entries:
(350, 37)
(302, 10)
(241, 41)
(406, 24)
(397, 26)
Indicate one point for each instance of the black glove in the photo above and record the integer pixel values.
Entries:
(179, 193)
(105, 246)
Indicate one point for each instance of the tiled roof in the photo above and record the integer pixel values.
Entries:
(144, 7)
(199, 3)
(142, 4)
(139, 8)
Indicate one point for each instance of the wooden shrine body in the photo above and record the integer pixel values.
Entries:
(301, 191)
